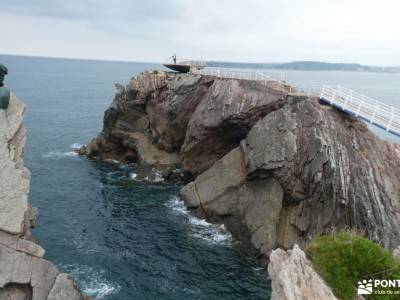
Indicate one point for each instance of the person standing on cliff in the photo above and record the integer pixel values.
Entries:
(4, 91)
(174, 58)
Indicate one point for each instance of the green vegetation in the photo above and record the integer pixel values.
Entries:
(343, 259)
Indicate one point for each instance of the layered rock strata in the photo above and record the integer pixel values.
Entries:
(277, 168)
(24, 273)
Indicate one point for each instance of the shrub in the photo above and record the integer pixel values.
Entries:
(343, 259)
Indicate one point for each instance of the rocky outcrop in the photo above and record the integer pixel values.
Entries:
(293, 278)
(277, 168)
(191, 120)
(328, 171)
(24, 273)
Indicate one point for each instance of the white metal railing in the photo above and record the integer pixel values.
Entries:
(268, 79)
(369, 109)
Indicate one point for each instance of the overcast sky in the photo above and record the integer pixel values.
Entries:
(365, 31)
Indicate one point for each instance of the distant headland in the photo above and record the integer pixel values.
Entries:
(308, 66)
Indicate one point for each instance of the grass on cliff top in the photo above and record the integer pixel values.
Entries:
(344, 259)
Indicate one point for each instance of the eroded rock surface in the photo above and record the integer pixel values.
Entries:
(276, 168)
(192, 120)
(293, 278)
(333, 172)
(24, 273)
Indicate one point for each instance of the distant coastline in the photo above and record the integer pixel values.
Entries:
(307, 66)
(292, 66)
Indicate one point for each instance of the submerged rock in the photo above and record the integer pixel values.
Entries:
(24, 273)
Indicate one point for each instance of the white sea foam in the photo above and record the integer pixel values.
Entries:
(177, 206)
(214, 234)
(156, 177)
(59, 154)
(199, 222)
(133, 176)
(75, 146)
(200, 228)
(113, 161)
(92, 282)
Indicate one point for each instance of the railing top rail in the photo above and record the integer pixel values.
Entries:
(358, 97)
(243, 73)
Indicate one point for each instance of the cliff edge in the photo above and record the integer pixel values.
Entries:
(24, 273)
(276, 167)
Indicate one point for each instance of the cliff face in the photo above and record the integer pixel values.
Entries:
(169, 120)
(276, 168)
(24, 273)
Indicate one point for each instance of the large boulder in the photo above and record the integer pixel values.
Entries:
(250, 209)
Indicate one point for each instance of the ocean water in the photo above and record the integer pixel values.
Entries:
(121, 238)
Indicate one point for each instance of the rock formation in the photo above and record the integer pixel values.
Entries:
(276, 167)
(24, 273)
(293, 278)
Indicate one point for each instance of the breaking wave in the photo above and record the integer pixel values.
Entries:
(92, 282)
(200, 228)
(59, 154)
(75, 146)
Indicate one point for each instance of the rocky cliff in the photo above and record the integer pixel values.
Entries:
(24, 273)
(293, 277)
(277, 168)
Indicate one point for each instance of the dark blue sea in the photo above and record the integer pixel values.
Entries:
(118, 237)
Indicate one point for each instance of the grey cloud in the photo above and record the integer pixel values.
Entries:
(134, 10)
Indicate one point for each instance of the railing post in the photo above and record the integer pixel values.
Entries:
(360, 105)
(391, 119)
(346, 99)
(333, 96)
(375, 112)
